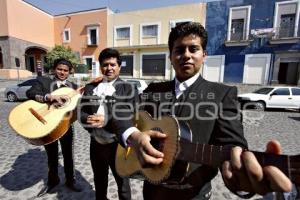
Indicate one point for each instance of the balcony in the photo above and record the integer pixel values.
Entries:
(286, 35)
(238, 38)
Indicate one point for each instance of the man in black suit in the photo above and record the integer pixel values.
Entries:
(97, 116)
(41, 92)
(212, 112)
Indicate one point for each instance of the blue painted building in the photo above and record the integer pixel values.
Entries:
(253, 41)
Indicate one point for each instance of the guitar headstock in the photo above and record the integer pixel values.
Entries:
(295, 169)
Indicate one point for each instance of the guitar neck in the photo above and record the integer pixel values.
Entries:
(215, 155)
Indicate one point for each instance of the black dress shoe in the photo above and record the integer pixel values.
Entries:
(72, 185)
(47, 189)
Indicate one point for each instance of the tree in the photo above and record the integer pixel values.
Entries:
(60, 51)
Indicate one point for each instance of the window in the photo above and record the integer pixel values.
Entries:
(174, 23)
(127, 65)
(263, 90)
(296, 91)
(281, 91)
(154, 65)
(66, 35)
(28, 83)
(92, 37)
(239, 23)
(287, 25)
(89, 62)
(123, 33)
(150, 31)
(286, 19)
(237, 29)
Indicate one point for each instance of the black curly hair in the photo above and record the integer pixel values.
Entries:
(62, 61)
(187, 28)
(109, 53)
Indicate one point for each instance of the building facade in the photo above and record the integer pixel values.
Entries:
(85, 32)
(142, 38)
(26, 34)
(253, 42)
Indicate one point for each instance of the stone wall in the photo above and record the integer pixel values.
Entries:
(4, 44)
(14, 47)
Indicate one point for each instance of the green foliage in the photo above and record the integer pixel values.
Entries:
(60, 51)
(85, 79)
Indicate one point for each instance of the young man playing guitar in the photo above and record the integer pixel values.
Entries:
(41, 92)
(242, 174)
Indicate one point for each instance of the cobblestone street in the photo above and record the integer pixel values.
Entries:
(23, 167)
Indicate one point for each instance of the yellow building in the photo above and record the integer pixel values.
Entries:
(142, 38)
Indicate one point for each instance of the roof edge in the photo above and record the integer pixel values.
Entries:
(81, 11)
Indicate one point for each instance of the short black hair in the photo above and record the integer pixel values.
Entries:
(62, 61)
(109, 53)
(187, 28)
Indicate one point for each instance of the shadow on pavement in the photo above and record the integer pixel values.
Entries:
(31, 168)
(27, 170)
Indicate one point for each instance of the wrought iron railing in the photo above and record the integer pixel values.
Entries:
(237, 35)
(286, 32)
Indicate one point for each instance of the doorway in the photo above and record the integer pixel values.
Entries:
(30, 63)
(288, 73)
(34, 55)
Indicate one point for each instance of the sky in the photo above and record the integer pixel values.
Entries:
(56, 7)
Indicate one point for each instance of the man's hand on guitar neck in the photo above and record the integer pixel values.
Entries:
(244, 173)
(146, 153)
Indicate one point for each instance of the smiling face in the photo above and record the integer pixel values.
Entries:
(187, 56)
(62, 72)
(110, 68)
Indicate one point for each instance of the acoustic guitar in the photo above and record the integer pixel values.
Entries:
(43, 123)
(179, 150)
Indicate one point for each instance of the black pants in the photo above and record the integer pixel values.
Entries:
(102, 157)
(66, 143)
(157, 192)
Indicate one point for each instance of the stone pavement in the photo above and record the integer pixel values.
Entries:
(23, 167)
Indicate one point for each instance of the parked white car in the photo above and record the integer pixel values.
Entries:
(140, 84)
(272, 97)
(18, 92)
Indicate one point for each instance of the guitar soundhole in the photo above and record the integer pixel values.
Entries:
(65, 102)
(155, 142)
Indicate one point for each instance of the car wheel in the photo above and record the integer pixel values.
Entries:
(260, 106)
(12, 97)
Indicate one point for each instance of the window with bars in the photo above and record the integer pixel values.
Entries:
(237, 29)
(287, 25)
(239, 23)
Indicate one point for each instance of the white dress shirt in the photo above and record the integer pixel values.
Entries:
(180, 87)
(102, 90)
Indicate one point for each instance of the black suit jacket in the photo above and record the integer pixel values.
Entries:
(45, 85)
(210, 109)
(123, 99)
